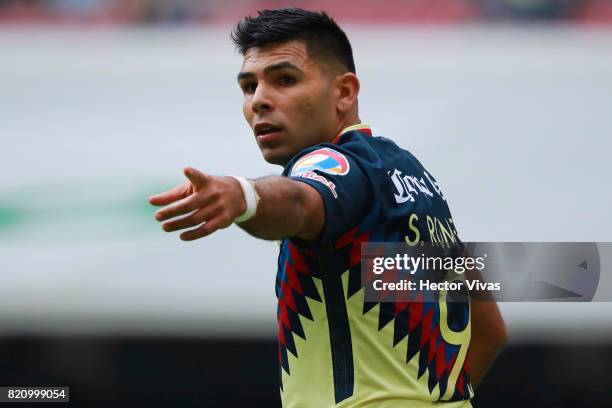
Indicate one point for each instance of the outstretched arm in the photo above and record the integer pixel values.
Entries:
(206, 203)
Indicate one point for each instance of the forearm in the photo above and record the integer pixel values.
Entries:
(284, 208)
(488, 329)
(488, 337)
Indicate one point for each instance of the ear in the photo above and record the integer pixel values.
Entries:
(348, 88)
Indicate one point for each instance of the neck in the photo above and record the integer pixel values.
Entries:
(349, 121)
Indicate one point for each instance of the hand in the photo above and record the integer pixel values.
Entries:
(210, 202)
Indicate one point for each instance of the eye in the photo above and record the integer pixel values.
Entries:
(287, 80)
(249, 87)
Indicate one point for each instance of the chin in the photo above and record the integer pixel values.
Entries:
(276, 156)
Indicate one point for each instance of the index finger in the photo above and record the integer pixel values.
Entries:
(170, 196)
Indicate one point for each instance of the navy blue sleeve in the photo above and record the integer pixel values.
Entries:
(337, 173)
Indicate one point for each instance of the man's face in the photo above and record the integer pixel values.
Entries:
(289, 100)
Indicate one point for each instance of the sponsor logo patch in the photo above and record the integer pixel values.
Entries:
(325, 159)
(314, 176)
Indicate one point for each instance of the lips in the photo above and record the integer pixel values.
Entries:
(265, 128)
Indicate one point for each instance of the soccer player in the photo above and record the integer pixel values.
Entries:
(340, 186)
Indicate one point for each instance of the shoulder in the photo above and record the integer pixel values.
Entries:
(372, 146)
(352, 148)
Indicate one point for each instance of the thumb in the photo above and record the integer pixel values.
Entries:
(196, 177)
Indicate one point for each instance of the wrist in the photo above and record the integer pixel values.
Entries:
(250, 196)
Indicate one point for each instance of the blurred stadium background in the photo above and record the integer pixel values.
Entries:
(102, 102)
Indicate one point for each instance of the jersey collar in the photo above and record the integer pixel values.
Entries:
(361, 127)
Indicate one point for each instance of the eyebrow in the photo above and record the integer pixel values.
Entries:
(268, 69)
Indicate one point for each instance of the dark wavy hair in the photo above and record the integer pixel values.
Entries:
(324, 39)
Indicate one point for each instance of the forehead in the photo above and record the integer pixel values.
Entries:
(294, 52)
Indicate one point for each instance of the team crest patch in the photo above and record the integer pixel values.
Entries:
(325, 159)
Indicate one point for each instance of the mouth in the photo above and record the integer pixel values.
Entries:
(263, 129)
(266, 132)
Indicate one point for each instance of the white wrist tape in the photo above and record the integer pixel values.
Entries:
(251, 197)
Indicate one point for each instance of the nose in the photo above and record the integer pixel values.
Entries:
(262, 99)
